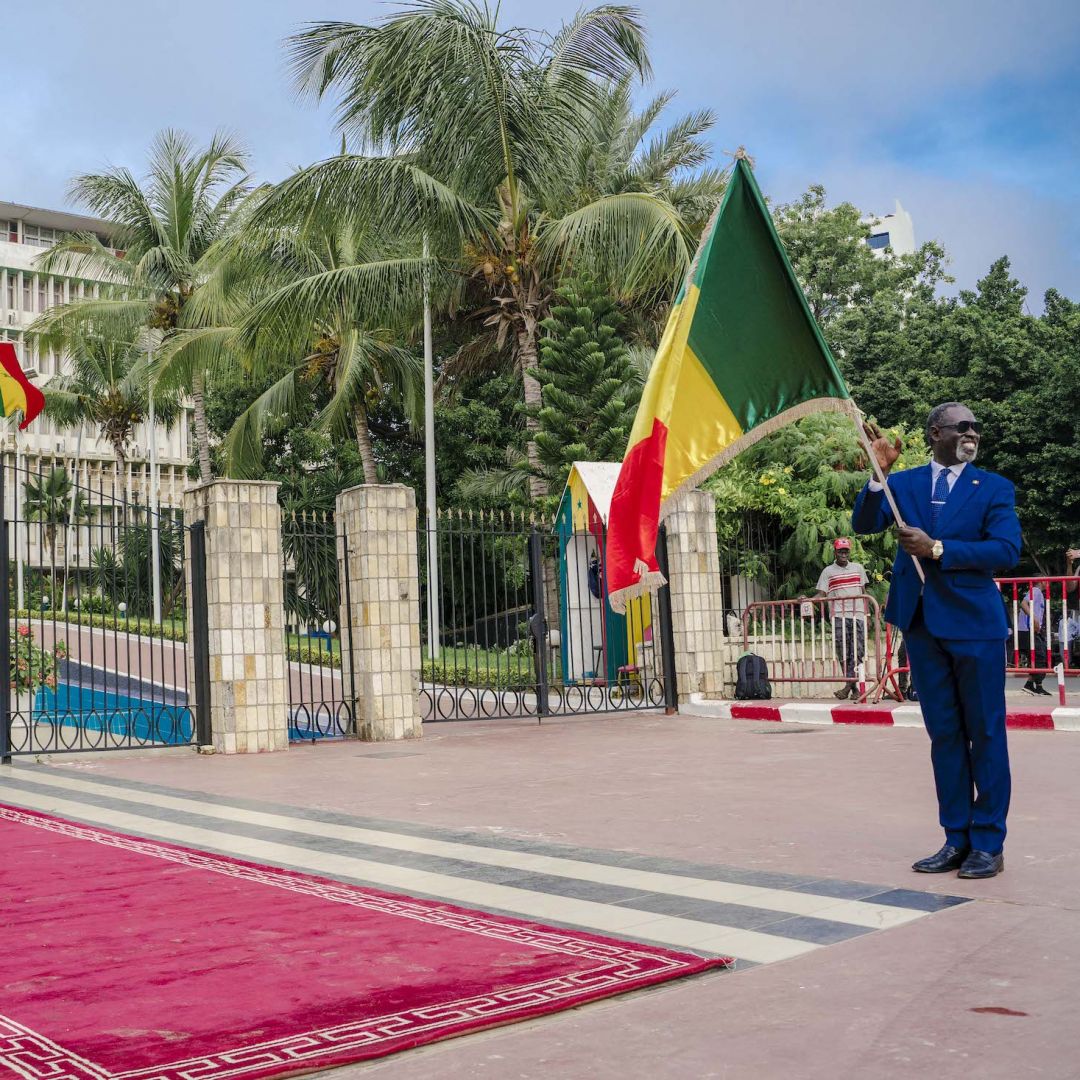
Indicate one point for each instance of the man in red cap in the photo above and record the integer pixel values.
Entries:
(842, 582)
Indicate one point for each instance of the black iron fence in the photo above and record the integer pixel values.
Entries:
(516, 622)
(93, 596)
(317, 586)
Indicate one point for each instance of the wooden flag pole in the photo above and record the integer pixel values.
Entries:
(881, 478)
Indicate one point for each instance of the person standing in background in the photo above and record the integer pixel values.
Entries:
(1031, 637)
(839, 580)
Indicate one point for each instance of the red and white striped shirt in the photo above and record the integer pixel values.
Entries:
(844, 581)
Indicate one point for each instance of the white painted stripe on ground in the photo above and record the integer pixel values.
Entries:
(853, 912)
(907, 716)
(1066, 718)
(750, 945)
(809, 712)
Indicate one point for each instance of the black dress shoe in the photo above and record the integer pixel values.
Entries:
(948, 858)
(980, 864)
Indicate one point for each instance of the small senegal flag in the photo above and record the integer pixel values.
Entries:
(16, 390)
(740, 357)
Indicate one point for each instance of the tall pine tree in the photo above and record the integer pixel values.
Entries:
(590, 386)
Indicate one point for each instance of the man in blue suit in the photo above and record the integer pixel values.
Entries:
(961, 524)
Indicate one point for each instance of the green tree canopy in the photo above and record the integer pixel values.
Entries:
(515, 152)
(167, 228)
(803, 480)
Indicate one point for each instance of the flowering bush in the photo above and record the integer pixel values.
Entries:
(31, 666)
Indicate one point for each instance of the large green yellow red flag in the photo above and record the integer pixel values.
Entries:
(17, 392)
(740, 357)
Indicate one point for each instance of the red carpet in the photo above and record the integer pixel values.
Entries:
(128, 958)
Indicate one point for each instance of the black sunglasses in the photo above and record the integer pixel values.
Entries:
(964, 426)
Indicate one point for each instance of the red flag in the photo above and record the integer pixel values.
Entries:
(16, 390)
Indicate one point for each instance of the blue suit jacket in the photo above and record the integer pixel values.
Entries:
(980, 532)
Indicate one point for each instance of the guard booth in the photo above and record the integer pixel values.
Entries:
(598, 646)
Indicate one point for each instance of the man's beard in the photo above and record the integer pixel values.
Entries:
(965, 453)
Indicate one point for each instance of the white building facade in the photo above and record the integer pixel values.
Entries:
(894, 232)
(25, 294)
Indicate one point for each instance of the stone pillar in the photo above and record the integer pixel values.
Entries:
(245, 592)
(380, 609)
(697, 610)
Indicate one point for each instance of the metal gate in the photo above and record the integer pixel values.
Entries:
(317, 588)
(93, 595)
(516, 622)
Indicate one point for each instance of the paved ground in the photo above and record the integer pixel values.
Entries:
(751, 838)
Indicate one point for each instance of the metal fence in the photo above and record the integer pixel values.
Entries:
(813, 642)
(93, 595)
(809, 643)
(516, 622)
(1043, 616)
(317, 587)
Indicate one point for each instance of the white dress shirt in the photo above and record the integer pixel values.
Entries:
(935, 471)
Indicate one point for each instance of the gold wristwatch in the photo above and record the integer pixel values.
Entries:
(937, 549)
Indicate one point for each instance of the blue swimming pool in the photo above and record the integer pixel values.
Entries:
(135, 719)
(156, 721)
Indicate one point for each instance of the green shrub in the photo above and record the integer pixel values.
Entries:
(168, 631)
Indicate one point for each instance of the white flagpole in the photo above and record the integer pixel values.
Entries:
(429, 471)
(155, 536)
(71, 526)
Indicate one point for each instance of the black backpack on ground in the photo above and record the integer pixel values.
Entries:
(752, 678)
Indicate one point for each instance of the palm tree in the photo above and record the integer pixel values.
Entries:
(313, 312)
(476, 128)
(166, 232)
(105, 385)
(52, 499)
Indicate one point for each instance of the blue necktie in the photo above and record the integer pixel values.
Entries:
(939, 498)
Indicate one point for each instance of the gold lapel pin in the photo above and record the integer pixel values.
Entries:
(975, 481)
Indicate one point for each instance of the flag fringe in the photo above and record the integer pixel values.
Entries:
(755, 434)
(649, 582)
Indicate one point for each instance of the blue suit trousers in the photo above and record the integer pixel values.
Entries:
(961, 687)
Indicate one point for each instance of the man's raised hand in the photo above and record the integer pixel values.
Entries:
(885, 451)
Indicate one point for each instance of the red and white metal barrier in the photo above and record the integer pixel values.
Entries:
(818, 640)
(844, 641)
(1049, 647)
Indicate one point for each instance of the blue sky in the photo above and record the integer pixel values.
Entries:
(966, 112)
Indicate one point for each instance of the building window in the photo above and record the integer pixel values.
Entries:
(73, 291)
(11, 292)
(40, 235)
(9, 231)
(42, 294)
(879, 240)
(27, 293)
(57, 292)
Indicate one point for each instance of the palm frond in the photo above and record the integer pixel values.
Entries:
(480, 354)
(117, 319)
(366, 363)
(389, 291)
(495, 484)
(208, 350)
(399, 194)
(242, 449)
(676, 148)
(607, 41)
(84, 255)
(632, 240)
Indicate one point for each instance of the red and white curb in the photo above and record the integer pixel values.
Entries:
(1060, 718)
